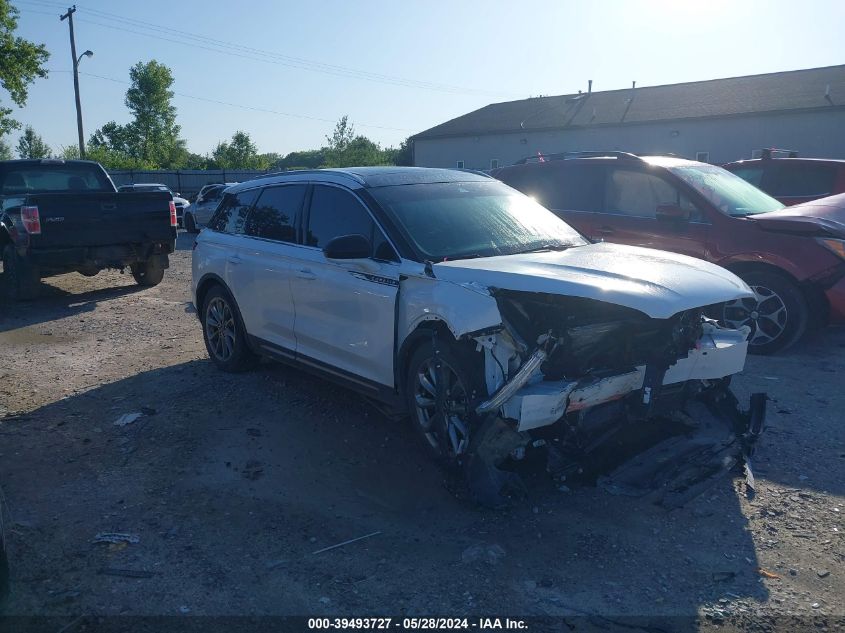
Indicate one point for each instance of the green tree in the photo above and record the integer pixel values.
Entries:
(342, 135)
(31, 145)
(5, 150)
(308, 159)
(404, 154)
(152, 137)
(239, 153)
(21, 62)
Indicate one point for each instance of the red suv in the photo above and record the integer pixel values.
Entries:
(793, 180)
(793, 258)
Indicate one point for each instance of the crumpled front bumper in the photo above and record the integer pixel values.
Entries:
(719, 353)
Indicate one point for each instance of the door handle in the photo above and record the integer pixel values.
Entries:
(234, 259)
(305, 273)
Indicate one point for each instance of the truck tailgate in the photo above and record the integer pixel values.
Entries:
(101, 219)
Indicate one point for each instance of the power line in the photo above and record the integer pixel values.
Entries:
(237, 50)
(245, 107)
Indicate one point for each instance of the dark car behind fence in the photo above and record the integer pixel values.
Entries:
(188, 182)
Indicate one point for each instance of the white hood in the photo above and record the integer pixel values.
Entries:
(657, 283)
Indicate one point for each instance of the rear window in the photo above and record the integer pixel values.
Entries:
(569, 188)
(52, 178)
(799, 180)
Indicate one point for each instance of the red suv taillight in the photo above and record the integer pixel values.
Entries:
(173, 221)
(31, 220)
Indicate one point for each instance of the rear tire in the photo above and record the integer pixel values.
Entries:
(149, 273)
(190, 224)
(778, 317)
(224, 333)
(21, 278)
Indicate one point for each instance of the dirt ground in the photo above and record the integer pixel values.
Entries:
(232, 483)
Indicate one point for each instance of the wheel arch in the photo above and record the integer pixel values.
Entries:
(208, 281)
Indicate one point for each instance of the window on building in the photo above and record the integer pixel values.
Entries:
(274, 216)
(702, 157)
(494, 163)
(459, 164)
(232, 212)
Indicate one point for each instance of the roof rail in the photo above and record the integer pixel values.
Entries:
(541, 158)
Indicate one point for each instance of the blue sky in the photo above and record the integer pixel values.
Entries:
(398, 67)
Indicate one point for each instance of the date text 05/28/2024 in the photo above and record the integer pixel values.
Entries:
(424, 624)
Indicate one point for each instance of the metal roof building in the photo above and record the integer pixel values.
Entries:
(717, 121)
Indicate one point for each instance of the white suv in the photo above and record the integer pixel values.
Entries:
(449, 296)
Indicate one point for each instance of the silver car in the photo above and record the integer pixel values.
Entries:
(204, 206)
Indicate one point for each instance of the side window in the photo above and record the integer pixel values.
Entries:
(638, 194)
(274, 216)
(799, 179)
(559, 187)
(231, 214)
(213, 193)
(335, 212)
(752, 175)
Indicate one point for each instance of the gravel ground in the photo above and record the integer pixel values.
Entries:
(232, 483)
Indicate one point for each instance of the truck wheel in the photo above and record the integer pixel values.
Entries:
(440, 390)
(778, 315)
(22, 279)
(148, 273)
(224, 333)
(190, 224)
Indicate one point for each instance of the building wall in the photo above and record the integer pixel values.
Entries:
(813, 134)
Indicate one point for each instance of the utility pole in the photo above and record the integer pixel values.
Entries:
(69, 16)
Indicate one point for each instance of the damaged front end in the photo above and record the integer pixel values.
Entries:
(639, 404)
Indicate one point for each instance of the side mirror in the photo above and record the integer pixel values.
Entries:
(671, 213)
(348, 247)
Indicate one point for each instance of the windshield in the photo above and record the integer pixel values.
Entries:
(473, 219)
(728, 193)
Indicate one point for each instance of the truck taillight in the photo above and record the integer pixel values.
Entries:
(31, 220)
(173, 221)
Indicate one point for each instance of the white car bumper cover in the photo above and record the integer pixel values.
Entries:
(718, 353)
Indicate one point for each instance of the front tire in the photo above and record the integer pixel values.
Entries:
(148, 273)
(778, 315)
(223, 332)
(441, 388)
(22, 279)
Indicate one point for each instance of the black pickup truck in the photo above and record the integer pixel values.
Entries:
(60, 216)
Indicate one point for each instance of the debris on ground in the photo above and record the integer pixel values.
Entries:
(490, 554)
(360, 538)
(126, 573)
(116, 537)
(128, 418)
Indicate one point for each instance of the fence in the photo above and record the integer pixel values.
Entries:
(184, 181)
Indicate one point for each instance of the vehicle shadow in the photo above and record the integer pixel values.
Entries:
(185, 241)
(804, 441)
(234, 485)
(54, 303)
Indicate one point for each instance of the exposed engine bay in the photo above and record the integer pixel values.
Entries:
(587, 386)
